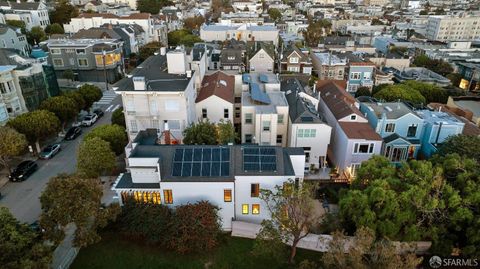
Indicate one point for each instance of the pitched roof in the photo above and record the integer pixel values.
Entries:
(359, 130)
(339, 102)
(25, 5)
(231, 56)
(254, 47)
(218, 84)
(300, 111)
(292, 49)
(97, 33)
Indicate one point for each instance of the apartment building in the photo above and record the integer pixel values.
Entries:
(329, 66)
(229, 177)
(264, 110)
(89, 59)
(241, 32)
(353, 139)
(447, 28)
(30, 12)
(12, 38)
(160, 94)
(216, 99)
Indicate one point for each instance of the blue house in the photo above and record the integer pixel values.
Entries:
(438, 126)
(399, 126)
(360, 73)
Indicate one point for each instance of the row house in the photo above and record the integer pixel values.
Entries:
(261, 56)
(12, 38)
(216, 98)
(329, 66)
(360, 73)
(240, 32)
(229, 177)
(296, 61)
(30, 12)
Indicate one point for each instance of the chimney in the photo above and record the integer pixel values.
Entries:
(166, 133)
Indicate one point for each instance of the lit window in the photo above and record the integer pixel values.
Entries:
(390, 127)
(255, 189)
(227, 195)
(256, 209)
(245, 209)
(167, 196)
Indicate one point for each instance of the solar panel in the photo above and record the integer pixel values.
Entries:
(203, 162)
(251, 150)
(259, 159)
(263, 78)
(258, 95)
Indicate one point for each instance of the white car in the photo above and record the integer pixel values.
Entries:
(89, 120)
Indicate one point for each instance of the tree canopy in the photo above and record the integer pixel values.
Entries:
(152, 6)
(36, 35)
(118, 117)
(315, 31)
(464, 145)
(95, 157)
(200, 133)
(12, 143)
(226, 132)
(432, 93)
(149, 49)
(114, 134)
(65, 108)
(438, 66)
(78, 98)
(72, 198)
(63, 12)
(363, 91)
(392, 93)
(54, 28)
(274, 14)
(91, 94)
(182, 37)
(193, 23)
(20, 245)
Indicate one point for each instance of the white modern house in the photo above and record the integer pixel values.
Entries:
(229, 177)
(216, 99)
(353, 139)
(30, 12)
(160, 94)
(306, 127)
(264, 110)
(242, 32)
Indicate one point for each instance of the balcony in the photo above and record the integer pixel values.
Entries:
(319, 174)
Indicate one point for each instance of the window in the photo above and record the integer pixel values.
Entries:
(261, 56)
(156, 124)
(353, 117)
(226, 113)
(58, 62)
(80, 51)
(133, 126)
(55, 51)
(237, 112)
(300, 133)
(306, 133)
(390, 127)
(248, 138)
(204, 113)
(279, 139)
(245, 209)
(293, 60)
(82, 62)
(412, 130)
(266, 126)
(363, 148)
(280, 119)
(354, 170)
(167, 196)
(256, 209)
(293, 69)
(71, 61)
(366, 75)
(153, 107)
(248, 118)
(307, 157)
(355, 75)
(254, 190)
(172, 106)
(227, 195)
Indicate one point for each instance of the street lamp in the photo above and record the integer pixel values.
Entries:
(104, 53)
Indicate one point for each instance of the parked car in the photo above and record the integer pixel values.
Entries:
(90, 119)
(23, 171)
(49, 151)
(73, 133)
(99, 112)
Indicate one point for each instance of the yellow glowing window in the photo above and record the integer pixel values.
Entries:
(167, 196)
(255, 209)
(137, 196)
(245, 209)
(145, 197)
(156, 198)
(227, 195)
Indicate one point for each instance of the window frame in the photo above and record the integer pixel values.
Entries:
(245, 209)
(248, 118)
(257, 207)
(254, 190)
(227, 195)
(390, 127)
(168, 196)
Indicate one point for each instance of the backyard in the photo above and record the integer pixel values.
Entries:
(118, 253)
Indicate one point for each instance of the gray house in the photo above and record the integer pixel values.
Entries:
(11, 38)
(89, 59)
(261, 56)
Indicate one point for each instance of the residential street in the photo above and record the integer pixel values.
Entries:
(22, 198)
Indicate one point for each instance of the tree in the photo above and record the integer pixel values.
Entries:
(36, 35)
(292, 213)
(195, 228)
(200, 133)
(182, 37)
(315, 31)
(54, 28)
(36, 125)
(118, 117)
(362, 91)
(274, 14)
(455, 78)
(438, 66)
(12, 143)
(20, 245)
(114, 134)
(65, 108)
(91, 94)
(17, 24)
(74, 199)
(68, 74)
(95, 157)
(423, 12)
(149, 49)
(365, 252)
(463, 145)
(376, 21)
(147, 222)
(432, 93)
(63, 12)
(193, 23)
(226, 132)
(78, 98)
(392, 93)
(152, 6)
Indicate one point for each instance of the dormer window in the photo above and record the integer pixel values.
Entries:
(353, 117)
(294, 60)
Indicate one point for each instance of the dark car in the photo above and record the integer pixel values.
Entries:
(99, 112)
(23, 171)
(49, 151)
(73, 133)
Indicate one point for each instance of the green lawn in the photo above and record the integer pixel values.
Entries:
(113, 252)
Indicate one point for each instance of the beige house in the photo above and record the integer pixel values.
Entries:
(329, 66)
(261, 57)
(215, 100)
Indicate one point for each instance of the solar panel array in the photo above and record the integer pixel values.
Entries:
(201, 162)
(259, 159)
(258, 95)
